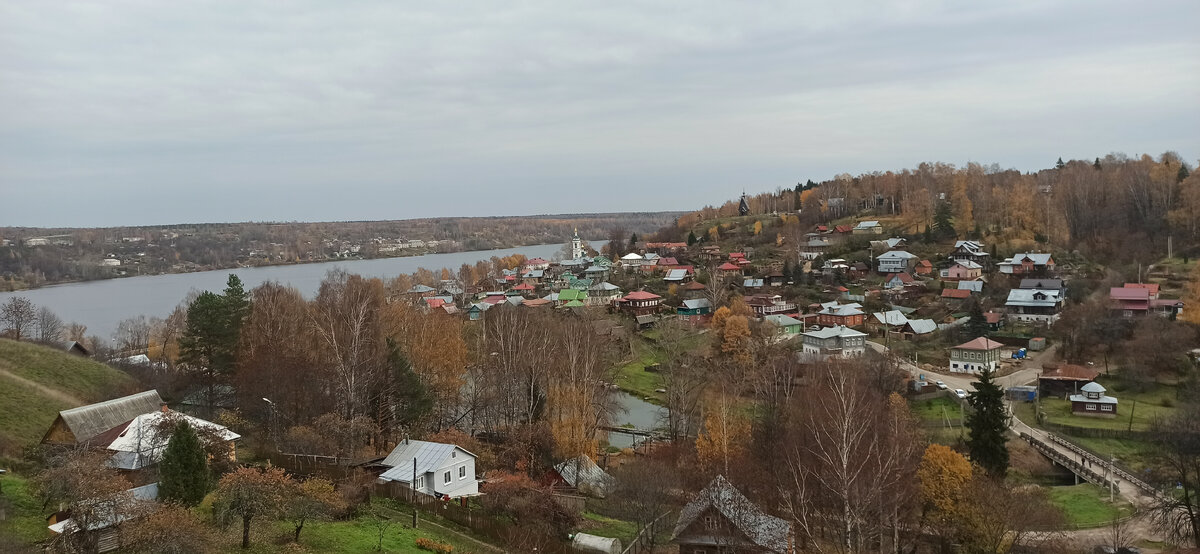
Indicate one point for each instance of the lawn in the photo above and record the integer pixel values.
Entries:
(24, 524)
(632, 376)
(605, 526)
(1086, 505)
(936, 409)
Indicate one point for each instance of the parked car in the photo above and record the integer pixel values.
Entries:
(960, 393)
(940, 385)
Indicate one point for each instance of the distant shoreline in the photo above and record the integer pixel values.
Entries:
(279, 264)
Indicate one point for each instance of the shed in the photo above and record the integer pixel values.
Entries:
(77, 425)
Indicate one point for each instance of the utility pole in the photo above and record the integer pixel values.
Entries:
(414, 492)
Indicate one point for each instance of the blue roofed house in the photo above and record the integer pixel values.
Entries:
(442, 470)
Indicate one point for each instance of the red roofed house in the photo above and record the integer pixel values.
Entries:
(843, 229)
(729, 268)
(523, 288)
(924, 267)
(975, 356)
(693, 289)
(956, 294)
(640, 303)
(1151, 287)
(1129, 302)
(537, 263)
(897, 280)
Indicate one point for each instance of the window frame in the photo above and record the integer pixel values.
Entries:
(446, 478)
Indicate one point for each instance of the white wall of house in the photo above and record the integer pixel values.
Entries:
(456, 477)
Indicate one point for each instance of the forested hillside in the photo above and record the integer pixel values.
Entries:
(1118, 208)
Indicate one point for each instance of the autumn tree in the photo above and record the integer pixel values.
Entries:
(945, 476)
(92, 491)
(349, 338)
(311, 499)
(18, 315)
(725, 436)
(987, 425)
(279, 315)
(643, 493)
(250, 493)
(169, 528)
(1177, 447)
(183, 471)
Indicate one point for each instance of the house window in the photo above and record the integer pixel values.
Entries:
(710, 522)
(446, 478)
(955, 366)
(453, 454)
(1090, 407)
(420, 483)
(462, 472)
(1106, 407)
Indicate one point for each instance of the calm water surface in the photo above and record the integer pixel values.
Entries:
(102, 304)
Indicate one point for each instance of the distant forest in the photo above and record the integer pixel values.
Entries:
(1116, 208)
(31, 257)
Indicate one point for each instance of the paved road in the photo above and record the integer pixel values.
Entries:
(1027, 374)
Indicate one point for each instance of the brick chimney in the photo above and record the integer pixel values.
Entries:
(163, 407)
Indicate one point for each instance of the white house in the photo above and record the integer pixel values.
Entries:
(632, 259)
(834, 341)
(896, 261)
(867, 228)
(1034, 305)
(441, 469)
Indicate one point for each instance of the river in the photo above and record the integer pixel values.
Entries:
(102, 304)
(636, 412)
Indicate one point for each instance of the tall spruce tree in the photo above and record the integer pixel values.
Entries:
(183, 471)
(987, 425)
(1182, 174)
(210, 337)
(977, 324)
(943, 221)
(691, 238)
(411, 398)
(1097, 165)
(1059, 164)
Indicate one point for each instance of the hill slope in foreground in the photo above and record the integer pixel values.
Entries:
(36, 382)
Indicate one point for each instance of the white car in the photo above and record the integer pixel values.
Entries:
(960, 393)
(940, 385)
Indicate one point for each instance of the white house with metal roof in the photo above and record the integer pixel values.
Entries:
(896, 261)
(837, 341)
(1034, 305)
(442, 470)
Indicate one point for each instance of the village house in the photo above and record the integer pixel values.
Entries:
(894, 243)
(536, 264)
(845, 315)
(975, 356)
(897, 281)
(956, 294)
(767, 304)
(836, 341)
(1034, 305)
(974, 286)
(1028, 263)
(814, 247)
(442, 470)
(640, 303)
(970, 251)
(677, 276)
(632, 260)
(868, 228)
(963, 271)
(1043, 284)
(566, 296)
(1135, 299)
(753, 284)
(721, 520)
(786, 326)
(890, 320)
(596, 272)
(858, 270)
(1093, 402)
(583, 475)
(694, 311)
(776, 278)
(924, 267)
(729, 268)
(1064, 380)
(896, 261)
(693, 289)
(602, 294)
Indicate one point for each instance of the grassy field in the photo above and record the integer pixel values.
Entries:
(936, 409)
(1087, 505)
(604, 526)
(632, 376)
(24, 524)
(37, 381)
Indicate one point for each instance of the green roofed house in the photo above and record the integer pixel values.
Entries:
(788, 326)
(566, 296)
(573, 304)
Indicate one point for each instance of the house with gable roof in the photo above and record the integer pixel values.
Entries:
(721, 519)
(974, 356)
(896, 261)
(1028, 263)
(970, 251)
(1034, 305)
(1092, 402)
(870, 227)
(835, 341)
(442, 470)
(845, 315)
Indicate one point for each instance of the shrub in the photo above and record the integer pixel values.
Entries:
(1168, 403)
(433, 546)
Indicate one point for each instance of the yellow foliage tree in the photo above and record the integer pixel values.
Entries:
(757, 228)
(725, 437)
(713, 234)
(944, 476)
(735, 339)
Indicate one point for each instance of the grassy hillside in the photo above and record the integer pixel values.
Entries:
(37, 381)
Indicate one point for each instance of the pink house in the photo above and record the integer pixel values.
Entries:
(963, 271)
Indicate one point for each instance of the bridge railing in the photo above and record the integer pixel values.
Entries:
(1080, 469)
(1141, 485)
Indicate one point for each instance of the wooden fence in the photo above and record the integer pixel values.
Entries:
(641, 542)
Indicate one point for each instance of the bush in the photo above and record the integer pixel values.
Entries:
(1168, 403)
(433, 546)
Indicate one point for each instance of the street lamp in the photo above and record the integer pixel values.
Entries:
(271, 422)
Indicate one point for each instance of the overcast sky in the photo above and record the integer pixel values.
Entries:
(150, 112)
